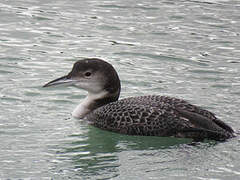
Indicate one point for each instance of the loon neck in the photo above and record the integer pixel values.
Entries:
(92, 102)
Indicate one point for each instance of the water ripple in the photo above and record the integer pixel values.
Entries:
(186, 49)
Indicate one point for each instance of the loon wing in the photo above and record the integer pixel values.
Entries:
(223, 125)
(204, 122)
(214, 129)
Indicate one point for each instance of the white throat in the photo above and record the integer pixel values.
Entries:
(84, 107)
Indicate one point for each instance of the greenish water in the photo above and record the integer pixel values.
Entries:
(185, 49)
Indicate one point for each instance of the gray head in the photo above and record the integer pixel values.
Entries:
(97, 77)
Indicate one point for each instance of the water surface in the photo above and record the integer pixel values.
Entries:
(186, 49)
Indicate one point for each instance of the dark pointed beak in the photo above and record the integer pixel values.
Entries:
(61, 81)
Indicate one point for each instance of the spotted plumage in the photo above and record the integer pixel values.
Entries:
(159, 116)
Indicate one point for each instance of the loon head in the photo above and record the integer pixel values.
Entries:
(98, 78)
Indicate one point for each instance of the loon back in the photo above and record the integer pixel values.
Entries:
(160, 116)
(144, 115)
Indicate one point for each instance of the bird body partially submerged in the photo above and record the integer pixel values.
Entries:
(144, 115)
(159, 116)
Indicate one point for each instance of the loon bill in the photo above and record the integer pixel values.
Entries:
(150, 115)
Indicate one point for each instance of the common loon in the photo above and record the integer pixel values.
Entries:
(150, 115)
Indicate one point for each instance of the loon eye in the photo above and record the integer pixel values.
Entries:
(87, 74)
